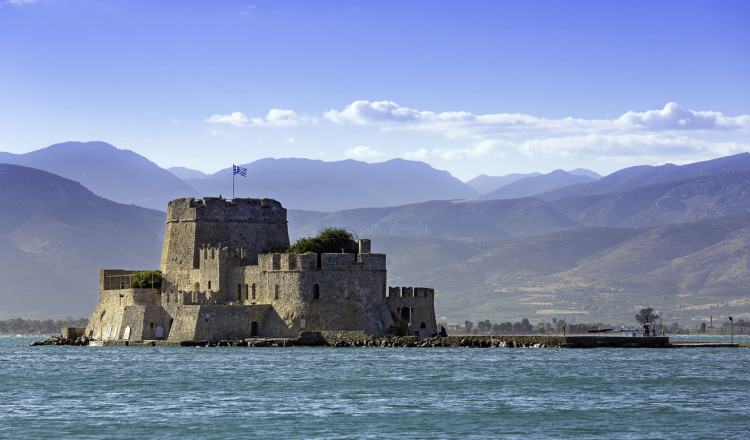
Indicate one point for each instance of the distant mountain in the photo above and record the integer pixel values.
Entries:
(485, 184)
(115, 174)
(585, 172)
(187, 173)
(681, 201)
(55, 236)
(634, 177)
(675, 202)
(530, 186)
(495, 219)
(330, 186)
(687, 271)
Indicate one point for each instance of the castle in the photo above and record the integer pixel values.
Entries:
(225, 276)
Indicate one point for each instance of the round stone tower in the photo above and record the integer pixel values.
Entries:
(246, 226)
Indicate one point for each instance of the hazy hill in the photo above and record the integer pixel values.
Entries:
(115, 174)
(55, 236)
(493, 219)
(585, 172)
(686, 271)
(187, 173)
(634, 177)
(680, 201)
(485, 184)
(530, 186)
(330, 186)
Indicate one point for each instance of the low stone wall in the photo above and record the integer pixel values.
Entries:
(72, 333)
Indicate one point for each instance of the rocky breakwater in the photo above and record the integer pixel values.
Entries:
(57, 340)
(360, 339)
(356, 339)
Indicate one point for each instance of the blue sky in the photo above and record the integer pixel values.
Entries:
(472, 87)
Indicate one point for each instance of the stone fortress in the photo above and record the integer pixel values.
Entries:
(225, 276)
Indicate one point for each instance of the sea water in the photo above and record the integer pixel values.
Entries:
(304, 392)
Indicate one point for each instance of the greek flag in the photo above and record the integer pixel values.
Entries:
(239, 170)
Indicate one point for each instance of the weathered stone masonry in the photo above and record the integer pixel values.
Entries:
(225, 276)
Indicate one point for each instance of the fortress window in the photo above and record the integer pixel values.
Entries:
(253, 291)
(212, 255)
(316, 291)
(209, 284)
(423, 325)
(205, 253)
(246, 290)
(276, 295)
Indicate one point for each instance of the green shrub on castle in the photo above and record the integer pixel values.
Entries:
(328, 241)
(146, 279)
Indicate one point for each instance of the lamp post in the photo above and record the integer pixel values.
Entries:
(731, 323)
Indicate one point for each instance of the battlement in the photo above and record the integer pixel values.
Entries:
(411, 292)
(312, 261)
(216, 209)
(245, 226)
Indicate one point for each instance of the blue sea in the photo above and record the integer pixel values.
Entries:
(342, 393)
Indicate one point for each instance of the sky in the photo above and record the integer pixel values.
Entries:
(471, 87)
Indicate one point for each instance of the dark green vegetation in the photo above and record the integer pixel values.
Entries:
(146, 279)
(19, 326)
(328, 240)
(646, 315)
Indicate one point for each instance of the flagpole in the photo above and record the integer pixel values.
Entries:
(233, 173)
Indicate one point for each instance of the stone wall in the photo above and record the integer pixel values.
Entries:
(254, 226)
(223, 277)
(414, 305)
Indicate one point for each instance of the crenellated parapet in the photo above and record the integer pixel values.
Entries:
(247, 227)
(216, 209)
(325, 262)
(415, 307)
(411, 292)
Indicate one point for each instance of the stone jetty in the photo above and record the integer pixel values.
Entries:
(360, 339)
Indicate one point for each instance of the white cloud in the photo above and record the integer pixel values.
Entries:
(236, 118)
(365, 112)
(274, 118)
(671, 132)
(457, 124)
(675, 117)
(362, 153)
(290, 141)
(18, 2)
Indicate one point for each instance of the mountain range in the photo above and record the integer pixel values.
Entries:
(112, 173)
(330, 186)
(672, 237)
(55, 236)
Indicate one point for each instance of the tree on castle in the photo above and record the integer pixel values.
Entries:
(328, 241)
